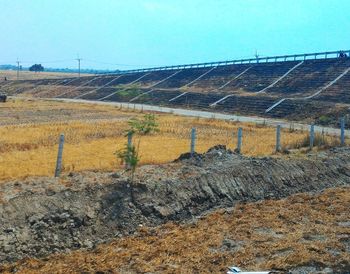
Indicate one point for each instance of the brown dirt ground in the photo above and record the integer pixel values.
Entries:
(286, 234)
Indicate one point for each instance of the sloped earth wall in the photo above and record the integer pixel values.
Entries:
(40, 216)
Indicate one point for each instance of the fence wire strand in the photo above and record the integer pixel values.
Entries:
(94, 147)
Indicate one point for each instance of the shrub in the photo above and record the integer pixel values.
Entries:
(324, 120)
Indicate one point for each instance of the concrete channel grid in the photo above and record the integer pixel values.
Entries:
(267, 104)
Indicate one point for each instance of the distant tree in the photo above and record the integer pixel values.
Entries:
(36, 68)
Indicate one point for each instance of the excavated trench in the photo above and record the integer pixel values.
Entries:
(40, 216)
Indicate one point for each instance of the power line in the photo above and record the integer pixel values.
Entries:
(55, 61)
(41, 62)
(77, 59)
(106, 63)
(117, 64)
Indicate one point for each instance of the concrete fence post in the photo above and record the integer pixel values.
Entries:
(342, 131)
(59, 156)
(312, 136)
(239, 140)
(129, 139)
(129, 146)
(193, 140)
(278, 138)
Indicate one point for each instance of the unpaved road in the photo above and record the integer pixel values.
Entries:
(204, 114)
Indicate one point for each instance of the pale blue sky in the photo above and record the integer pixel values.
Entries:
(143, 33)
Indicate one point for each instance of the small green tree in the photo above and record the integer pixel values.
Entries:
(130, 158)
(129, 155)
(145, 126)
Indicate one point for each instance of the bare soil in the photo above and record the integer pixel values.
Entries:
(41, 216)
(304, 233)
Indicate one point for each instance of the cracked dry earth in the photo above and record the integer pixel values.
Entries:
(196, 215)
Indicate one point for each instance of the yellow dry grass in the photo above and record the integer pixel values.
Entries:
(31, 149)
(29, 75)
(303, 229)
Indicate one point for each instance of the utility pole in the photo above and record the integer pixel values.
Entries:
(78, 59)
(257, 56)
(17, 68)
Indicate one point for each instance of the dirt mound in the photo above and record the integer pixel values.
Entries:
(81, 210)
(197, 157)
(304, 233)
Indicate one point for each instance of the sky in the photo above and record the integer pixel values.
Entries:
(127, 34)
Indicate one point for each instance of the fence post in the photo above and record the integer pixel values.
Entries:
(127, 165)
(59, 156)
(278, 138)
(129, 139)
(312, 136)
(239, 140)
(193, 140)
(342, 131)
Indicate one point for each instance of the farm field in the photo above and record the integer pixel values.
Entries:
(300, 233)
(29, 133)
(29, 75)
(195, 215)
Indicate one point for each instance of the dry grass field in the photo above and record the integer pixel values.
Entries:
(286, 234)
(304, 229)
(29, 75)
(29, 132)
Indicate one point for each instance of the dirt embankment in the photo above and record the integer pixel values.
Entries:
(304, 233)
(41, 216)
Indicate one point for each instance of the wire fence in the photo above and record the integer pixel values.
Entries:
(93, 147)
(173, 142)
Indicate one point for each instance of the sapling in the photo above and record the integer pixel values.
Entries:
(129, 155)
